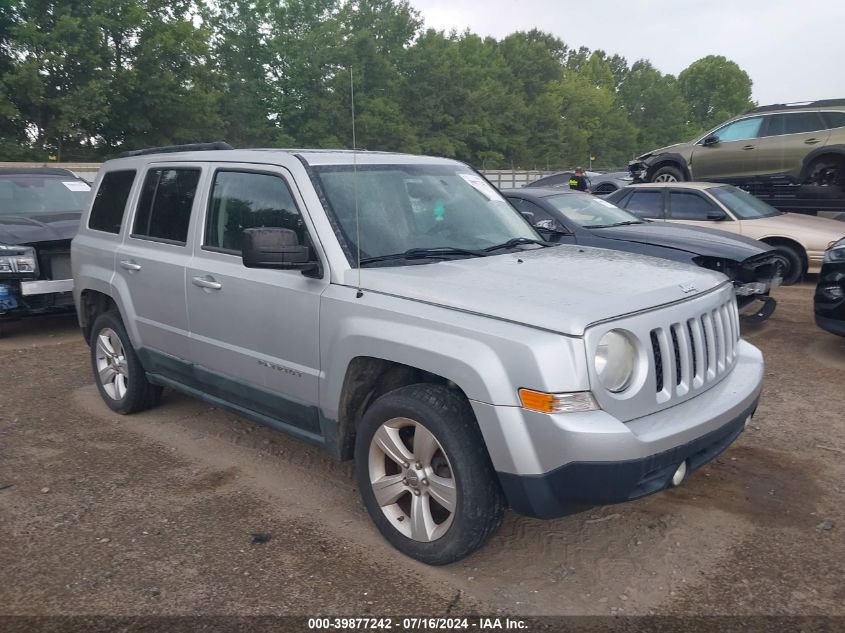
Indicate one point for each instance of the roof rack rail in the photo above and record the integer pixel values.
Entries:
(169, 149)
(37, 171)
(822, 103)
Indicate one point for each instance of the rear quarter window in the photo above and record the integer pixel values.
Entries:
(834, 119)
(110, 201)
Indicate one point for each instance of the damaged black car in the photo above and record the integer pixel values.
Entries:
(39, 215)
(830, 291)
(571, 217)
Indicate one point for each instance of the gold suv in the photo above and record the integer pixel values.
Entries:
(768, 149)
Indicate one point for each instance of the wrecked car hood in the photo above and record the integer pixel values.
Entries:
(562, 289)
(43, 227)
(663, 150)
(692, 239)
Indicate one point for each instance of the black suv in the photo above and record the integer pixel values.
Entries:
(39, 215)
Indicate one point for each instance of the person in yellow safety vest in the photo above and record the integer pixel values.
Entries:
(578, 181)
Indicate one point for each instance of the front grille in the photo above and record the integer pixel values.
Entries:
(691, 354)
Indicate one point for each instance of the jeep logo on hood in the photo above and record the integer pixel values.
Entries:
(687, 288)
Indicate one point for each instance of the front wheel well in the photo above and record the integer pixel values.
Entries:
(785, 241)
(92, 304)
(366, 380)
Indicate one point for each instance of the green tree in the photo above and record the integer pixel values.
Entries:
(715, 89)
(458, 100)
(654, 105)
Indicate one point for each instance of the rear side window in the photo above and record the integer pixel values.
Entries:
(646, 204)
(164, 210)
(688, 206)
(794, 123)
(834, 119)
(110, 201)
(242, 200)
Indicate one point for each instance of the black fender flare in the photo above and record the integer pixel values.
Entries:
(657, 161)
(838, 150)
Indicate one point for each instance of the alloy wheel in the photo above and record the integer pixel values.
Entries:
(412, 479)
(112, 368)
(665, 178)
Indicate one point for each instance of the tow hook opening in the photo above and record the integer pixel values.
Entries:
(680, 474)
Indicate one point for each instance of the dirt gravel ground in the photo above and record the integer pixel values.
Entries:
(155, 513)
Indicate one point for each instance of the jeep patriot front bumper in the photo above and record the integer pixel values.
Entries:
(553, 465)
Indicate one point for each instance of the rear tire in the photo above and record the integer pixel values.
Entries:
(120, 378)
(420, 450)
(667, 173)
(791, 263)
(828, 172)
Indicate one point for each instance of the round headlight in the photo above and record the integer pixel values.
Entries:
(615, 361)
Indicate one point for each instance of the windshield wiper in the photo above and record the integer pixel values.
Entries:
(516, 241)
(438, 252)
(607, 226)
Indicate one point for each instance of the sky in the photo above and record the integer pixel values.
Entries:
(792, 50)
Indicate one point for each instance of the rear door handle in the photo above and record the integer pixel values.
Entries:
(748, 147)
(811, 141)
(207, 282)
(128, 264)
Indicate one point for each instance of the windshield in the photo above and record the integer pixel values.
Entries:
(591, 212)
(27, 194)
(404, 207)
(742, 204)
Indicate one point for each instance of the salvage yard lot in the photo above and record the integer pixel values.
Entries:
(156, 513)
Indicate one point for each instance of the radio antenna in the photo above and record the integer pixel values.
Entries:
(359, 293)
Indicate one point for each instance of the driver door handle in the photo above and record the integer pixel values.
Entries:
(129, 264)
(207, 282)
(811, 141)
(748, 147)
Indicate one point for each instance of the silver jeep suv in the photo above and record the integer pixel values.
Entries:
(397, 310)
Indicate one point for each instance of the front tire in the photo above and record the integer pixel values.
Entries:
(791, 264)
(120, 378)
(667, 173)
(425, 476)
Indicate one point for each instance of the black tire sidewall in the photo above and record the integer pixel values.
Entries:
(137, 386)
(796, 265)
(448, 416)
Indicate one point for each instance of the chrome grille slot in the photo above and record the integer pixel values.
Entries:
(689, 354)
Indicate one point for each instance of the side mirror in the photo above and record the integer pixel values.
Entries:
(710, 141)
(275, 248)
(545, 225)
(717, 215)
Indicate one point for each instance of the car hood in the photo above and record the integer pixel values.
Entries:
(814, 232)
(663, 150)
(44, 227)
(562, 289)
(700, 241)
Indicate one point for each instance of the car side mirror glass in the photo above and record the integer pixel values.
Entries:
(717, 215)
(711, 140)
(275, 248)
(546, 225)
